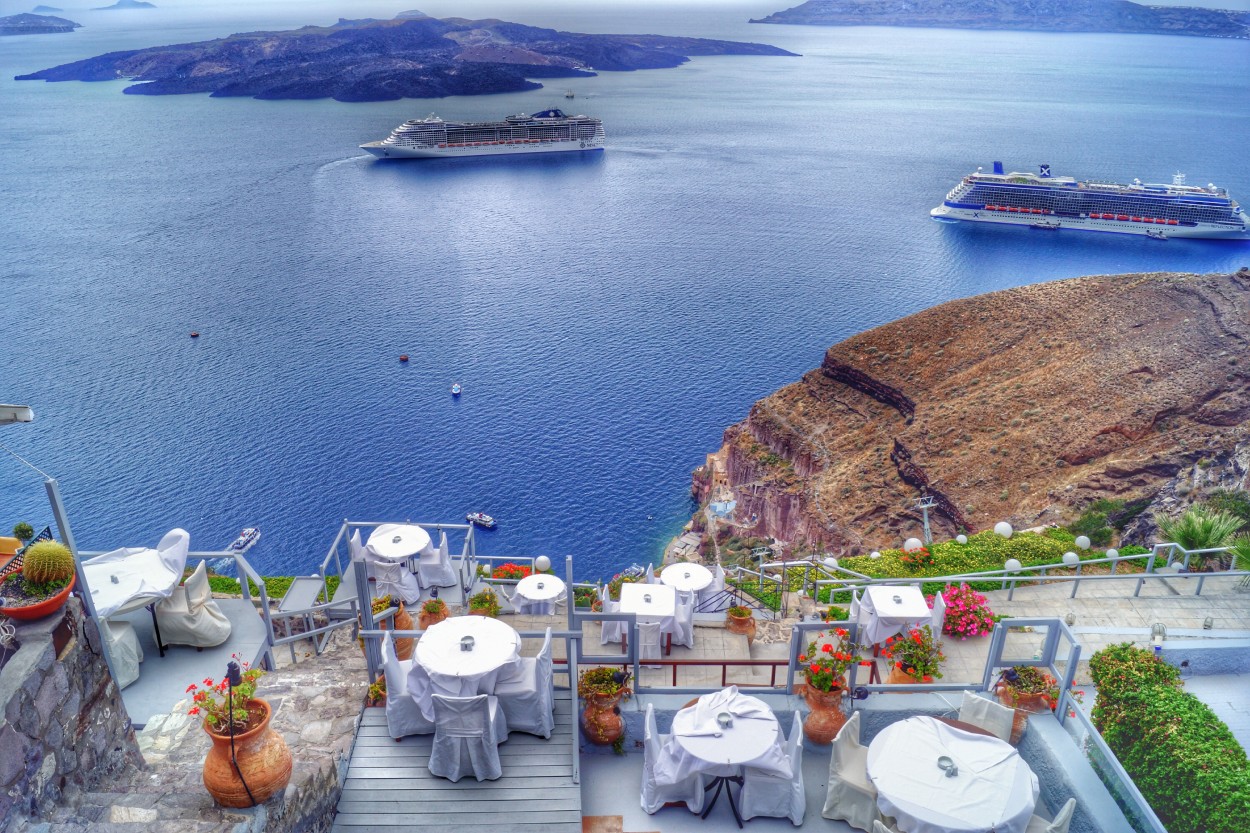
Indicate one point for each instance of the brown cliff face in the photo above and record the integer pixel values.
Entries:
(1020, 405)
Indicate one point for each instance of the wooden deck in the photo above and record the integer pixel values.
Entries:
(389, 784)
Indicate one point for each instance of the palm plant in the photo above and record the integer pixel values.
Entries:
(1201, 529)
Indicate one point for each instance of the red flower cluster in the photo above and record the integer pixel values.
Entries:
(509, 570)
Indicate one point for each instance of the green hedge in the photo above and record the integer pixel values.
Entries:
(1182, 757)
(275, 586)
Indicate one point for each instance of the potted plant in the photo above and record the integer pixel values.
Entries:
(824, 663)
(1028, 690)
(23, 532)
(967, 613)
(432, 612)
(376, 696)
(401, 621)
(42, 586)
(614, 586)
(485, 603)
(585, 597)
(602, 690)
(738, 619)
(248, 762)
(915, 657)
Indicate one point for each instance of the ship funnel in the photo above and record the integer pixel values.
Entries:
(998, 167)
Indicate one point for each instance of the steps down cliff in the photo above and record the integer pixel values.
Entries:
(1021, 405)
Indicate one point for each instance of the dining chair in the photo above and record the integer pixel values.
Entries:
(680, 626)
(124, 650)
(393, 578)
(688, 791)
(434, 565)
(709, 593)
(403, 714)
(987, 714)
(1063, 819)
(851, 797)
(649, 640)
(467, 732)
(938, 618)
(189, 616)
(612, 631)
(768, 794)
(650, 576)
(526, 695)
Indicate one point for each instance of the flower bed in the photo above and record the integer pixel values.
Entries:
(511, 571)
(1185, 761)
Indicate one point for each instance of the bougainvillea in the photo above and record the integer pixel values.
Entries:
(967, 614)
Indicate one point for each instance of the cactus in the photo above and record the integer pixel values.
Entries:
(47, 561)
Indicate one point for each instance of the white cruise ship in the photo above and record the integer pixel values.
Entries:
(1052, 203)
(546, 132)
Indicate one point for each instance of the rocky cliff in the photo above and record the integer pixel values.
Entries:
(1021, 405)
(384, 60)
(1030, 15)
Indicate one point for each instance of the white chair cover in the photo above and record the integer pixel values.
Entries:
(655, 796)
(851, 796)
(988, 715)
(707, 594)
(393, 579)
(650, 578)
(649, 640)
(173, 549)
(938, 620)
(434, 566)
(466, 737)
(190, 616)
(1063, 819)
(403, 712)
(145, 575)
(124, 650)
(612, 631)
(526, 698)
(854, 610)
(681, 624)
(766, 793)
(882, 827)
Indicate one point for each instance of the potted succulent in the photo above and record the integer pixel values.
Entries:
(738, 619)
(485, 603)
(915, 657)
(602, 690)
(248, 761)
(43, 584)
(432, 612)
(824, 663)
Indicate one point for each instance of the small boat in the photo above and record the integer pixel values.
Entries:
(1156, 234)
(246, 540)
(569, 94)
(455, 388)
(480, 519)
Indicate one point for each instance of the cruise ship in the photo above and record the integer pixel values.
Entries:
(547, 132)
(1051, 203)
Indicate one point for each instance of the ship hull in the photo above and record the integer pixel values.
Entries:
(945, 213)
(384, 151)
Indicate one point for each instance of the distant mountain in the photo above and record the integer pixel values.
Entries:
(371, 60)
(125, 4)
(411, 14)
(1033, 15)
(45, 9)
(36, 24)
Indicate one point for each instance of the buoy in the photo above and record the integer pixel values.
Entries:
(195, 334)
(403, 357)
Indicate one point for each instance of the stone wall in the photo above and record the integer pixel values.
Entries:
(64, 728)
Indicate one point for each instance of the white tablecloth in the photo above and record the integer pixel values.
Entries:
(399, 541)
(882, 616)
(995, 789)
(552, 587)
(689, 577)
(700, 744)
(458, 673)
(142, 578)
(663, 602)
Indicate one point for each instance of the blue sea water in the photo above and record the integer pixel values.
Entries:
(608, 315)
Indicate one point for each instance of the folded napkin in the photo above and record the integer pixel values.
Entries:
(726, 700)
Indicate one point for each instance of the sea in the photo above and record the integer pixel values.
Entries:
(608, 314)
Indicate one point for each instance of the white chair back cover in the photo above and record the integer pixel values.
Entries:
(770, 794)
(851, 797)
(655, 796)
(393, 579)
(938, 619)
(190, 616)
(124, 650)
(465, 738)
(173, 549)
(403, 712)
(612, 631)
(434, 566)
(198, 590)
(988, 715)
(681, 623)
(528, 700)
(1063, 819)
(854, 611)
(707, 594)
(648, 640)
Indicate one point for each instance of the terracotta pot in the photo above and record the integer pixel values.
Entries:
(403, 622)
(264, 761)
(600, 722)
(424, 620)
(1023, 705)
(826, 716)
(41, 609)
(744, 625)
(900, 677)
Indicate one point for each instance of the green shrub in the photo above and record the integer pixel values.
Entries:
(1199, 529)
(1185, 761)
(1233, 502)
(23, 531)
(767, 595)
(1093, 525)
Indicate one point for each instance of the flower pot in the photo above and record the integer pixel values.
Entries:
(264, 762)
(900, 677)
(41, 609)
(481, 611)
(826, 716)
(425, 620)
(1023, 705)
(600, 722)
(744, 625)
(403, 622)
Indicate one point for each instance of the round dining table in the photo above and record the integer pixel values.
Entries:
(686, 576)
(397, 542)
(992, 787)
(541, 587)
(457, 672)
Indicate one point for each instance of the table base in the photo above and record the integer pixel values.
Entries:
(719, 782)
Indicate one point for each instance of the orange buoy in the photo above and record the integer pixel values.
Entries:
(403, 357)
(195, 334)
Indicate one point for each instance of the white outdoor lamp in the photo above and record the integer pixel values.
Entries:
(1082, 542)
(912, 544)
(961, 538)
(1011, 565)
(1071, 559)
(1003, 528)
(542, 563)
